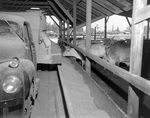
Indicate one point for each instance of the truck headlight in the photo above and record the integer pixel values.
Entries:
(12, 84)
(14, 62)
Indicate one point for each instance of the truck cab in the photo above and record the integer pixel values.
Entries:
(42, 43)
(17, 67)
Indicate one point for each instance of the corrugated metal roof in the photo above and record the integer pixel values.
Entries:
(63, 9)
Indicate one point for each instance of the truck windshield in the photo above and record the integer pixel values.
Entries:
(5, 29)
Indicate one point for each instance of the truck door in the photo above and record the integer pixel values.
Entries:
(29, 42)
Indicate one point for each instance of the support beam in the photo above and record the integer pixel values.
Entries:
(147, 29)
(60, 29)
(92, 21)
(105, 27)
(64, 10)
(135, 58)
(23, 2)
(143, 14)
(25, 6)
(68, 31)
(88, 33)
(54, 20)
(74, 21)
(63, 29)
(128, 21)
(54, 7)
(52, 11)
(95, 34)
(71, 32)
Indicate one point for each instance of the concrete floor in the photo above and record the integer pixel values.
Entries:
(46, 105)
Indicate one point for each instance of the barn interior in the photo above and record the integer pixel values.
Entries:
(63, 10)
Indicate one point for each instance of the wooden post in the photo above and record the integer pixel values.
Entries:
(60, 29)
(74, 22)
(64, 29)
(68, 31)
(88, 33)
(147, 29)
(95, 34)
(135, 57)
(105, 28)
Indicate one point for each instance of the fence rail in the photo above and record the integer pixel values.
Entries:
(137, 81)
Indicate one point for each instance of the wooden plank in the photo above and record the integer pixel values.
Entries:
(135, 58)
(81, 11)
(64, 10)
(121, 4)
(82, 7)
(109, 6)
(101, 9)
(143, 14)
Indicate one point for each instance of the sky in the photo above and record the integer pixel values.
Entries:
(114, 21)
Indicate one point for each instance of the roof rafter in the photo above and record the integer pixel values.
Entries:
(64, 10)
(58, 12)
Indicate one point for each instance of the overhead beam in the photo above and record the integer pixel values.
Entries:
(64, 10)
(20, 6)
(143, 14)
(54, 20)
(128, 21)
(54, 14)
(24, 3)
(92, 21)
(54, 7)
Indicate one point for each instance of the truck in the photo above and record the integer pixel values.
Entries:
(38, 26)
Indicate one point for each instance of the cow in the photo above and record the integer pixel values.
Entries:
(118, 52)
(96, 49)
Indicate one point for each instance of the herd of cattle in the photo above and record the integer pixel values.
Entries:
(112, 51)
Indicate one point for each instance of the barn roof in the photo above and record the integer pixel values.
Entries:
(63, 9)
